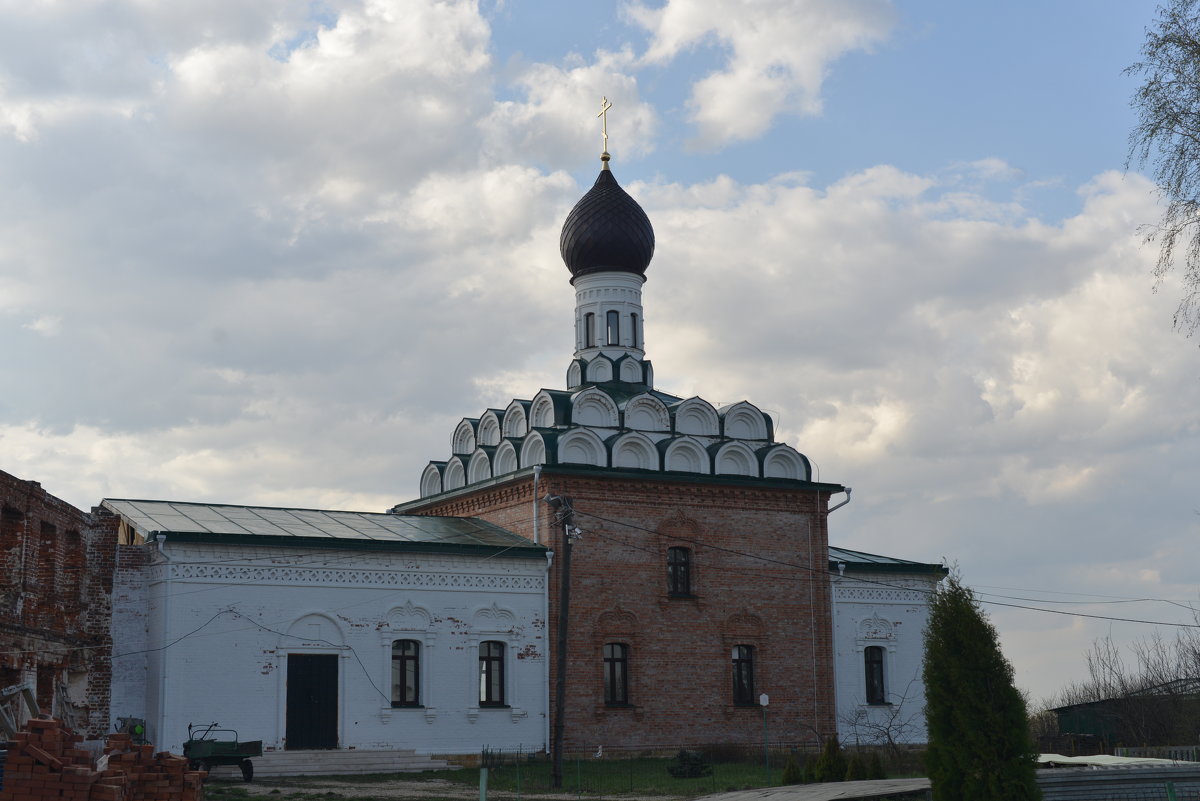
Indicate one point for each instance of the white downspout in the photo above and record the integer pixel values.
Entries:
(546, 660)
(840, 505)
(160, 736)
(537, 532)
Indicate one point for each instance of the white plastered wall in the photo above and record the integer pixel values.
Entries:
(599, 293)
(889, 610)
(228, 613)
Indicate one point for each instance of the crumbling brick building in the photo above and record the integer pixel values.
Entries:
(55, 603)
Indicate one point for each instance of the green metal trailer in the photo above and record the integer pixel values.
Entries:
(204, 751)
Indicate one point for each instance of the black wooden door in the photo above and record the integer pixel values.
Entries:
(312, 701)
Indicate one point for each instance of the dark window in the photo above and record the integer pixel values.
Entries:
(743, 674)
(679, 571)
(406, 673)
(491, 673)
(616, 673)
(614, 329)
(633, 328)
(873, 660)
(589, 330)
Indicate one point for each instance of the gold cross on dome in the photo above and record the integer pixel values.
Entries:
(604, 107)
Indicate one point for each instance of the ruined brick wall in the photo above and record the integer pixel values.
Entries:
(760, 578)
(56, 567)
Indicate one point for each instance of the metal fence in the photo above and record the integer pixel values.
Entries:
(1179, 753)
(681, 771)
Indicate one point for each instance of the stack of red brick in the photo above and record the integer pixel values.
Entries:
(45, 763)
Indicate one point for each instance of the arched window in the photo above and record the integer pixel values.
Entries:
(873, 662)
(616, 674)
(743, 674)
(589, 330)
(491, 673)
(633, 318)
(614, 328)
(679, 571)
(406, 673)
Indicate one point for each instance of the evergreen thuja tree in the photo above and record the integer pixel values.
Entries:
(831, 766)
(979, 743)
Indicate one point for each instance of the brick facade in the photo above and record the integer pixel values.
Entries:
(759, 578)
(55, 602)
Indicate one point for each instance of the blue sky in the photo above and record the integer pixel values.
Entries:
(272, 253)
(1038, 85)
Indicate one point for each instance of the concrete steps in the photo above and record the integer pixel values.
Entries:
(332, 763)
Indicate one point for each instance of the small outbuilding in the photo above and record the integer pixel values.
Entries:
(312, 629)
(880, 609)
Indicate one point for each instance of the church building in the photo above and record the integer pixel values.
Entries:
(699, 588)
(606, 564)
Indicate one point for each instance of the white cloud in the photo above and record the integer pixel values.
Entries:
(557, 116)
(779, 54)
(48, 325)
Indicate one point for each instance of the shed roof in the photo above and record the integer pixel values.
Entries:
(320, 528)
(859, 560)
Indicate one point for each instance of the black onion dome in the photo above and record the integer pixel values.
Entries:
(607, 231)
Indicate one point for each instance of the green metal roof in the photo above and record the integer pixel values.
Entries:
(858, 560)
(268, 525)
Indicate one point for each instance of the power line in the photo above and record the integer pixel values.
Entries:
(880, 583)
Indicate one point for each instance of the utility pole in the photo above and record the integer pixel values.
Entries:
(566, 515)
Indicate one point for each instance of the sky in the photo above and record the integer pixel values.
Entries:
(271, 253)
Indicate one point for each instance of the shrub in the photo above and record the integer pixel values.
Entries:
(856, 769)
(831, 767)
(810, 768)
(875, 767)
(689, 765)
(792, 772)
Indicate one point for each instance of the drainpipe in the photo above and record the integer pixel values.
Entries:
(537, 538)
(537, 531)
(566, 516)
(160, 736)
(546, 661)
(840, 505)
(831, 611)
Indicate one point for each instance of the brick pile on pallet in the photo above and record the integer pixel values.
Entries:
(45, 763)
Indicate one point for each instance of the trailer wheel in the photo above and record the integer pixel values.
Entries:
(247, 770)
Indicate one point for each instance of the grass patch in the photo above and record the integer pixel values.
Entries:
(621, 775)
(614, 776)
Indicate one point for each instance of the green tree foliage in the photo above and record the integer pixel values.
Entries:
(856, 769)
(793, 773)
(1167, 138)
(689, 765)
(810, 768)
(831, 767)
(979, 744)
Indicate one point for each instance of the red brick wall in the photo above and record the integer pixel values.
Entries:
(56, 567)
(759, 578)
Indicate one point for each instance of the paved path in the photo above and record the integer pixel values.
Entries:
(834, 791)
